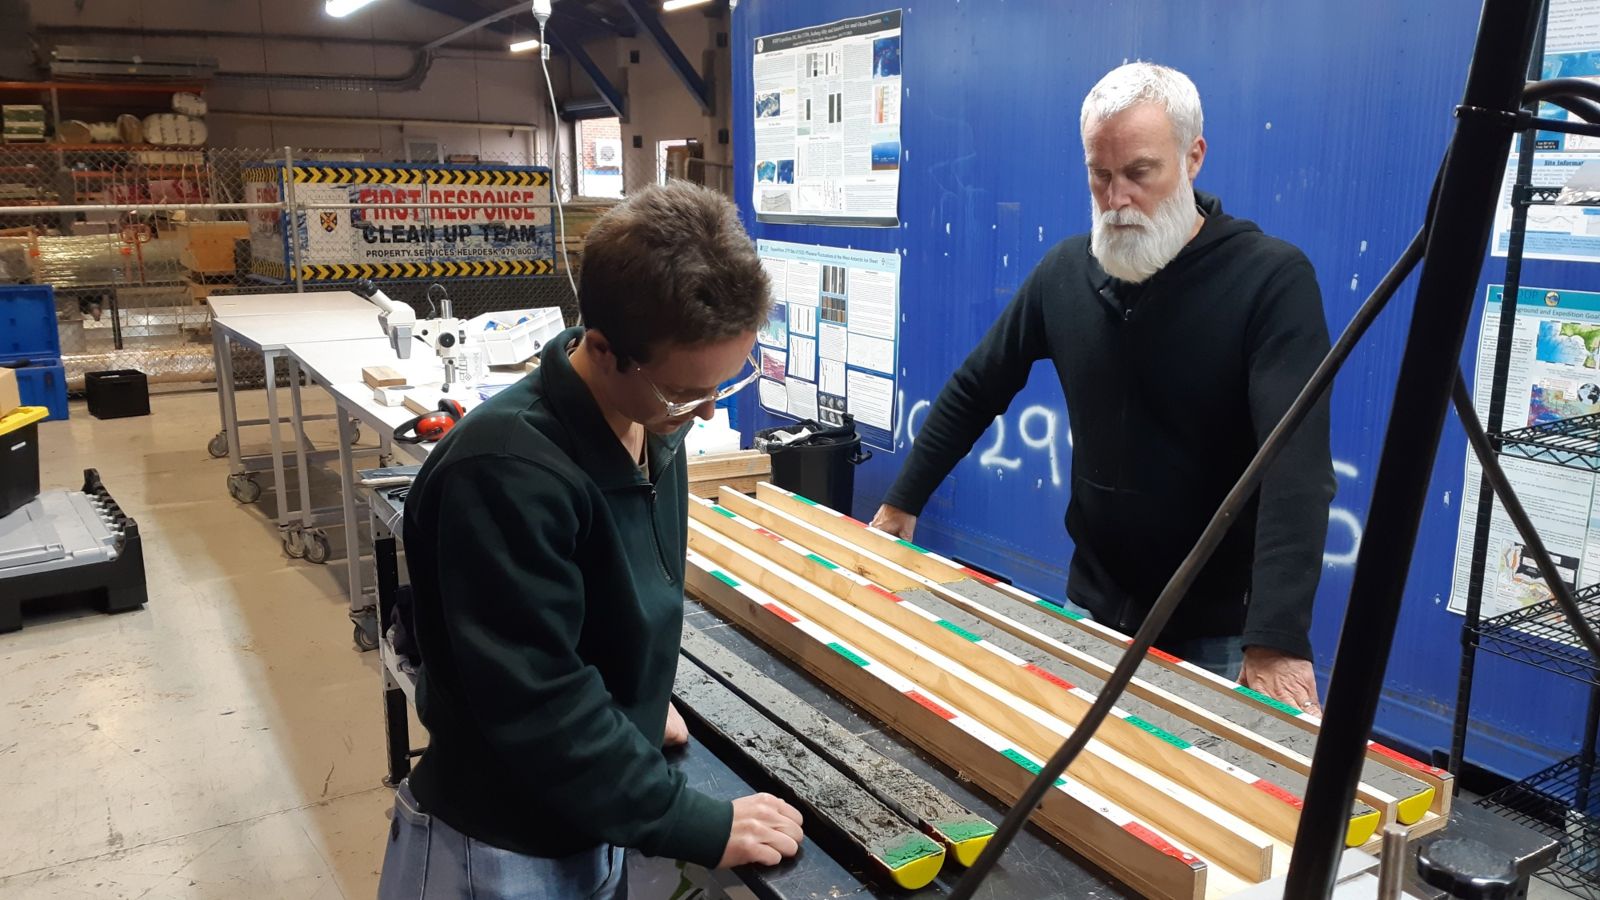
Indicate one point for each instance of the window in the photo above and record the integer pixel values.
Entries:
(661, 158)
(600, 157)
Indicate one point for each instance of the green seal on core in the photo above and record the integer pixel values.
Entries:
(914, 847)
(965, 830)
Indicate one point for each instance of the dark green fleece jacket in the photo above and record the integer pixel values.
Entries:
(547, 574)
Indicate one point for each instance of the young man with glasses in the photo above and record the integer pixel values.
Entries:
(545, 539)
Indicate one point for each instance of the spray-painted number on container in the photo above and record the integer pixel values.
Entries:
(1039, 429)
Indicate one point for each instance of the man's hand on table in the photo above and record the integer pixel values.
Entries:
(1285, 678)
(897, 522)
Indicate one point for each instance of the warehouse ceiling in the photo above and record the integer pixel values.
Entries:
(574, 20)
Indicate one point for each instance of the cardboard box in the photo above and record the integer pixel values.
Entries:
(208, 246)
(10, 393)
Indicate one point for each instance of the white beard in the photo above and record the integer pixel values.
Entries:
(1135, 255)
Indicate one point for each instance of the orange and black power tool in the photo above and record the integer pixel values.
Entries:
(430, 427)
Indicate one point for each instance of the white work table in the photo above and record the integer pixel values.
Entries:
(285, 304)
(292, 318)
(336, 366)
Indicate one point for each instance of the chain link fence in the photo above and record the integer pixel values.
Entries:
(136, 238)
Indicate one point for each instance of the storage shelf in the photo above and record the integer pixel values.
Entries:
(1541, 636)
(1563, 803)
(1574, 442)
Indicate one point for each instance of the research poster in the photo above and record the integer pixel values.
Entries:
(1572, 233)
(827, 123)
(832, 344)
(1554, 374)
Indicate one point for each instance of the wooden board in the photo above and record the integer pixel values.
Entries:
(1268, 803)
(963, 833)
(1125, 763)
(382, 376)
(740, 471)
(828, 799)
(1241, 747)
(1402, 787)
(1102, 832)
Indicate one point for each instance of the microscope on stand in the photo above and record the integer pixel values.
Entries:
(464, 363)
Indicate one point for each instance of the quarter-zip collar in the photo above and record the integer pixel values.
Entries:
(598, 451)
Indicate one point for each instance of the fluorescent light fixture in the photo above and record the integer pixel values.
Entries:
(341, 8)
(524, 46)
(671, 5)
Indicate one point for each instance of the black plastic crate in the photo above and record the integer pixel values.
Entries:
(117, 393)
(19, 461)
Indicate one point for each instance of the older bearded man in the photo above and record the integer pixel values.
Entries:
(1180, 335)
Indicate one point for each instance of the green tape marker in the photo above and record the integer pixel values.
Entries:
(1278, 705)
(806, 500)
(1170, 738)
(1026, 763)
(724, 578)
(1059, 610)
(951, 626)
(844, 651)
(820, 561)
(726, 512)
(909, 545)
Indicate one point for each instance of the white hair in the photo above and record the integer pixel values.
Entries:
(1142, 82)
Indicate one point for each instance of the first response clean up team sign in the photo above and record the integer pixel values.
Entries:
(392, 233)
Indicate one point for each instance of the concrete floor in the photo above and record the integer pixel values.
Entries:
(224, 742)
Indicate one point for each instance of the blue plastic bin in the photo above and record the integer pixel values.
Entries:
(44, 386)
(28, 323)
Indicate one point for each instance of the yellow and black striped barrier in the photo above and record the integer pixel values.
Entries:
(474, 269)
(398, 176)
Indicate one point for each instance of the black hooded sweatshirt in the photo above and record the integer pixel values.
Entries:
(1170, 385)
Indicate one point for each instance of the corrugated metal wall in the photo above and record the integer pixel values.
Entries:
(1326, 122)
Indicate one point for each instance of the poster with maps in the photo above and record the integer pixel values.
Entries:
(1553, 374)
(1571, 50)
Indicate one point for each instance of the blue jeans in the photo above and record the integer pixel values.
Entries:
(428, 860)
(1219, 655)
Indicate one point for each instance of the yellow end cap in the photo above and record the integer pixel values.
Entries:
(967, 851)
(1411, 810)
(1362, 828)
(920, 872)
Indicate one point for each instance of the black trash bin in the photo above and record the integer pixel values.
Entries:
(820, 466)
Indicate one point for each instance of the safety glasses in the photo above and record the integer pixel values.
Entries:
(723, 391)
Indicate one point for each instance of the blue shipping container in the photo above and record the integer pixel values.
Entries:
(44, 386)
(28, 323)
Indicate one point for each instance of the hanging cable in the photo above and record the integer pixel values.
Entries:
(541, 11)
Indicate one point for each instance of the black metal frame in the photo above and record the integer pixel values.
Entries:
(1559, 800)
